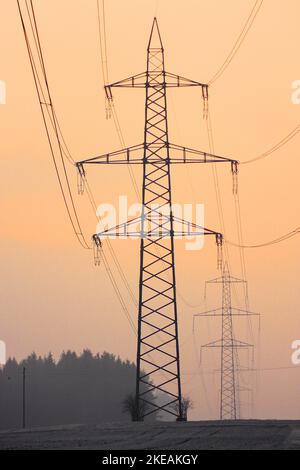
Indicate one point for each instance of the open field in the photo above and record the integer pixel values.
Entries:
(162, 436)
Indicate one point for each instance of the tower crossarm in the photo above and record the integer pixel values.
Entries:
(128, 155)
(156, 229)
(181, 154)
(234, 343)
(230, 279)
(153, 230)
(176, 154)
(155, 79)
(244, 312)
(218, 312)
(213, 313)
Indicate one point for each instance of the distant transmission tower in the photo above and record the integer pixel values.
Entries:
(158, 365)
(229, 406)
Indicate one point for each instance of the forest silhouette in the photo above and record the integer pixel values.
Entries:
(76, 389)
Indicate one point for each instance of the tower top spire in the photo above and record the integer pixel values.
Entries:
(155, 41)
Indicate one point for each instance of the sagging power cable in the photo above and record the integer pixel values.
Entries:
(110, 108)
(47, 108)
(239, 41)
(275, 147)
(283, 238)
(46, 104)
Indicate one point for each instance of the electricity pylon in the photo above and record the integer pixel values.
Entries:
(158, 364)
(229, 408)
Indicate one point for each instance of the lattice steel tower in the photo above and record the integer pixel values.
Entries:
(229, 346)
(157, 344)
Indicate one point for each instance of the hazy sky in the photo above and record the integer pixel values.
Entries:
(52, 296)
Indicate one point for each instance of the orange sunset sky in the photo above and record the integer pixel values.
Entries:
(53, 298)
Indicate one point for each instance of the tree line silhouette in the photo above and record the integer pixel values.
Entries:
(75, 389)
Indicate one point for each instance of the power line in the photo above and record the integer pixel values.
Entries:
(254, 12)
(119, 295)
(247, 26)
(285, 237)
(240, 238)
(210, 136)
(111, 110)
(276, 147)
(238, 222)
(257, 369)
(200, 373)
(110, 247)
(64, 151)
(45, 100)
(244, 274)
(102, 41)
(222, 220)
(119, 268)
(266, 369)
(54, 118)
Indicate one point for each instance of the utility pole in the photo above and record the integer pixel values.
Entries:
(158, 361)
(229, 407)
(24, 397)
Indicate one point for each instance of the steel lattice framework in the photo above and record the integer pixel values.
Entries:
(229, 346)
(158, 365)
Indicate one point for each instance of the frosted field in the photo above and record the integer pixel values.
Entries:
(192, 435)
